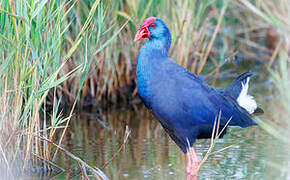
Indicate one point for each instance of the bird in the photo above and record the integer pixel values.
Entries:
(185, 105)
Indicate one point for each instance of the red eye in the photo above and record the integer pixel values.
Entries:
(153, 25)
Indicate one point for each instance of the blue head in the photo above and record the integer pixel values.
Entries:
(157, 32)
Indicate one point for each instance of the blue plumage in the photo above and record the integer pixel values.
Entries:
(183, 103)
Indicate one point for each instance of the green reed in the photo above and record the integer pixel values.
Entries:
(45, 45)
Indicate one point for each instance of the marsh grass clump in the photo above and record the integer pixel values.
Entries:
(42, 51)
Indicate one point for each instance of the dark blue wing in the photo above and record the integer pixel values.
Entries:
(204, 103)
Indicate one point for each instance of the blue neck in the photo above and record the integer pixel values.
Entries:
(161, 44)
(153, 51)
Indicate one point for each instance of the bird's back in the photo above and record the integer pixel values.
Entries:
(185, 105)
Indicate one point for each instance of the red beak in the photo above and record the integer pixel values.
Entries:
(142, 33)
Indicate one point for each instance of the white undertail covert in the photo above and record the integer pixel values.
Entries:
(245, 100)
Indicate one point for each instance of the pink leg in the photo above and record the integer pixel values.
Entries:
(192, 164)
(193, 158)
(188, 162)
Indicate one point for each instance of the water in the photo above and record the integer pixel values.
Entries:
(149, 153)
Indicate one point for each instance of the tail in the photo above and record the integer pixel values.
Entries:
(238, 90)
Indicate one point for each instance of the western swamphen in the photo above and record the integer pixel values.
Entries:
(182, 102)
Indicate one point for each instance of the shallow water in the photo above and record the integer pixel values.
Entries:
(150, 154)
(96, 135)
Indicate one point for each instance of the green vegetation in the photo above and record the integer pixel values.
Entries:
(56, 53)
(45, 48)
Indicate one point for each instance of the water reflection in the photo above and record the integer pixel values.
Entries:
(150, 154)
